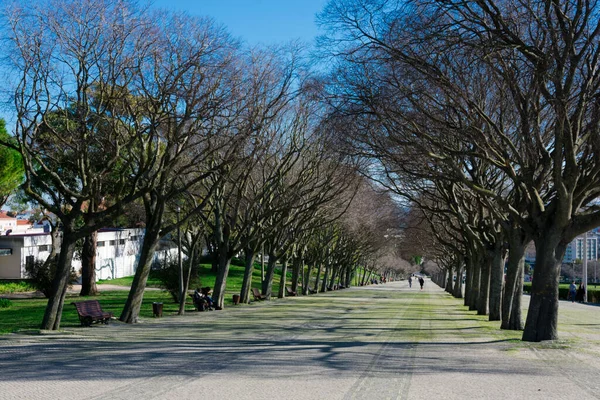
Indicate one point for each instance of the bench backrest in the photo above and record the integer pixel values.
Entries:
(88, 307)
(256, 292)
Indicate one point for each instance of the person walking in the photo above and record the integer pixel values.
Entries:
(421, 282)
(579, 296)
(572, 292)
(409, 282)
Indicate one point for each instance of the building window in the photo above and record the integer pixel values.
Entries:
(100, 244)
(44, 247)
(5, 252)
(121, 241)
(112, 242)
(592, 253)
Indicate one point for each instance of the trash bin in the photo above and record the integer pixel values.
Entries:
(157, 309)
(236, 299)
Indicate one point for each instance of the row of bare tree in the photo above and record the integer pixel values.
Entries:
(484, 114)
(118, 106)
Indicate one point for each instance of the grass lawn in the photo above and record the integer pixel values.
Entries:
(27, 314)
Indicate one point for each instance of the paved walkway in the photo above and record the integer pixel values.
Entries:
(376, 342)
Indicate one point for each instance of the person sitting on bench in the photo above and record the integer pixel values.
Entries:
(202, 300)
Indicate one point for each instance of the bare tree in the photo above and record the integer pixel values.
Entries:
(74, 64)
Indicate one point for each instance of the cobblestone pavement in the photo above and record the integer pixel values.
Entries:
(375, 342)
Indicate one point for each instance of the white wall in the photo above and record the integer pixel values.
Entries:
(116, 257)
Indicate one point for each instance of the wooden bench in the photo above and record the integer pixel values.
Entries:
(290, 292)
(311, 291)
(89, 311)
(257, 295)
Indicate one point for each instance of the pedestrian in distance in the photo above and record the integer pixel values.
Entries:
(572, 292)
(421, 282)
(579, 296)
(409, 282)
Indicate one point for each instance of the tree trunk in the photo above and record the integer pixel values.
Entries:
(53, 313)
(484, 285)
(496, 281)
(457, 291)
(513, 288)
(88, 265)
(516, 318)
(297, 263)
(349, 275)
(319, 268)
(131, 310)
(283, 279)
(267, 285)
(542, 316)
(448, 287)
(475, 283)
(249, 255)
(334, 272)
(468, 280)
(186, 280)
(363, 281)
(306, 278)
(221, 279)
(325, 277)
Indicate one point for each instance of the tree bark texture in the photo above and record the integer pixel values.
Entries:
(318, 278)
(297, 263)
(475, 283)
(496, 282)
(306, 278)
(468, 281)
(542, 316)
(53, 312)
(457, 290)
(283, 279)
(267, 285)
(222, 273)
(513, 288)
(484, 286)
(448, 287)
(131, 310)
(88, 265)
(249, 255)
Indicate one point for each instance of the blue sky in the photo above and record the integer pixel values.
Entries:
(257, 21)
(254, 21)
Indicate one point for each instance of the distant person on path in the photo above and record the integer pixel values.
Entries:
(572, 292)
(421, 282)
(580, 293)
(409, 282)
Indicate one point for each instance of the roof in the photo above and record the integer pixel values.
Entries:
(3, 215)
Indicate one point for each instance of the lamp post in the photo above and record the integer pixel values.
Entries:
(584, 272)
(181, 294)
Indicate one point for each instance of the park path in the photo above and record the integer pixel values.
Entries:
(375, 342)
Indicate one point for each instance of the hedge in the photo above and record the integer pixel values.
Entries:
(563, 293)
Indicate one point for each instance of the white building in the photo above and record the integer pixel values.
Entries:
(117, 254)
(575, 248)
(7, 224)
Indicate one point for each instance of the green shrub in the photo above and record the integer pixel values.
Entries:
(17, 286)
(42, 275)
(168, 275)
(563, 292)
(5, 303)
